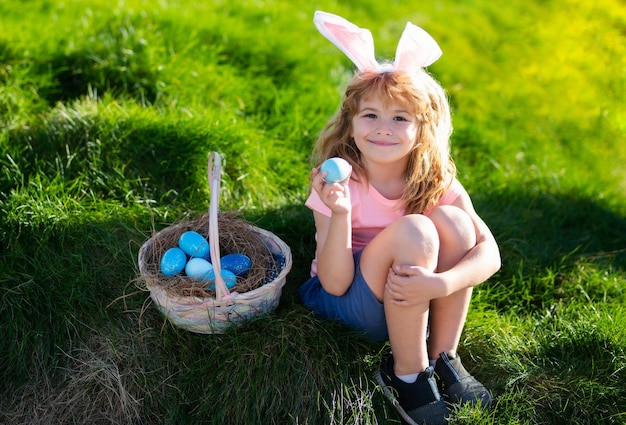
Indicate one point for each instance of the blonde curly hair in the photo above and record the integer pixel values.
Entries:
(430, 168)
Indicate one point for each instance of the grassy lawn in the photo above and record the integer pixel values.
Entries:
(109, 110)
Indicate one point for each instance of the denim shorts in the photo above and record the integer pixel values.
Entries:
(357, 308)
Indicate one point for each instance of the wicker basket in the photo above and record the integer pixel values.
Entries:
(213, 314)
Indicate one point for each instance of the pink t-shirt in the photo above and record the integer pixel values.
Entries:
(372, 212)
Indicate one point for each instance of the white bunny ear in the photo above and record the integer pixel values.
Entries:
(416, 49)
(357, 43)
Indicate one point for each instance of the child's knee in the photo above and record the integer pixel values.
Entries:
(418, 233)
(454, 226)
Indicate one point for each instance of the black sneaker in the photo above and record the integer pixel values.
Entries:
(418, 403)
(457, 385)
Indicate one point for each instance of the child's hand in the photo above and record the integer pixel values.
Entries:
(412, 285)
(335, 196)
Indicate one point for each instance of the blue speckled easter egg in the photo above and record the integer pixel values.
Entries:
(277, 266)
(199, 269)
(338, 169)
(229, 279)
(239, 264)
(173, 261)
(194, 244)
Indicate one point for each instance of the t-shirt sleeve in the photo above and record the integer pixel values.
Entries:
(453, 192)
(449, 196)
(315, 203)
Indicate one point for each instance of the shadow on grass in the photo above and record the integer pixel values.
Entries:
(543, 239)
(118, 60)
(114, 157)
(543, 228)
(118, 72)
(570, 368)
(534, 232)
(285, 367)
(115, 59)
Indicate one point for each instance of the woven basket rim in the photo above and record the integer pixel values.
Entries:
(239, 296)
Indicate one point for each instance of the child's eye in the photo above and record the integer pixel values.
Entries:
(399, 118)
(370, 115)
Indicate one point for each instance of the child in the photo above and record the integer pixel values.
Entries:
(399, 245)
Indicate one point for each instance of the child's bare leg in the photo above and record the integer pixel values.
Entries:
(412, 239)
(447, 315)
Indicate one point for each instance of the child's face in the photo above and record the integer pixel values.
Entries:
(384, 132)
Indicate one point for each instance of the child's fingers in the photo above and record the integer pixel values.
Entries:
(317, 179)
(393, 288)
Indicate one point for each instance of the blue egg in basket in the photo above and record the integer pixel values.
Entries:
(239, 264)
(173, 261)
(229, 279)
(199, 269)
(194, 244)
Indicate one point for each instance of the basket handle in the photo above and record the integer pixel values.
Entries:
(214, 171)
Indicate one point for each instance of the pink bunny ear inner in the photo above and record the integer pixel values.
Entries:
(416, 49)
(356, 43)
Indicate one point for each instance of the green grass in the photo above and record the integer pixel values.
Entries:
(108, 112)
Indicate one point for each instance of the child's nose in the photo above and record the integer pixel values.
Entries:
(383, 129)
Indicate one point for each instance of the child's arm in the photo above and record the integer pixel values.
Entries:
(482, 261)
(335, 264)
(411, 284)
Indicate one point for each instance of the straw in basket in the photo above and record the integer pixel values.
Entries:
(202, 312)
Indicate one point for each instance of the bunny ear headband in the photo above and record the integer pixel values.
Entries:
(416, 48)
